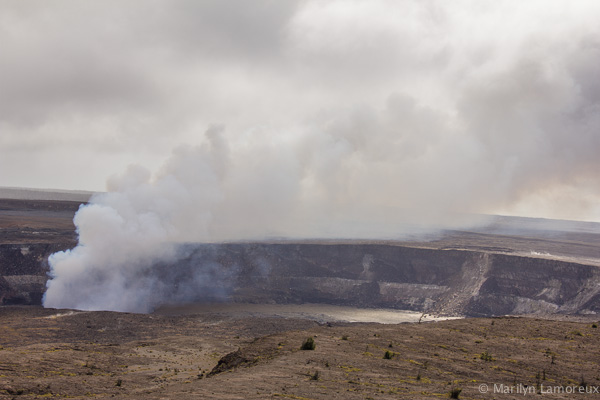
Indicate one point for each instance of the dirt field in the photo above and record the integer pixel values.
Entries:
(68, 354)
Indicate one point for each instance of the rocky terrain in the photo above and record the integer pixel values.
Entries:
(49, 353)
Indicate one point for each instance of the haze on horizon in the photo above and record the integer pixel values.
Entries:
(254, 111)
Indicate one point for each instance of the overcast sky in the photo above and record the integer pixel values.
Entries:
(484, 106)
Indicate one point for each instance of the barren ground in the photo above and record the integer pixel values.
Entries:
(69, 354)
(37, 221)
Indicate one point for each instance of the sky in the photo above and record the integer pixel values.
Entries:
(270, 108)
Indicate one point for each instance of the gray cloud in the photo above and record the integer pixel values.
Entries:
(485, 105)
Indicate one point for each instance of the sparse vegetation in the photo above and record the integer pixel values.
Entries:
(18, 392)
(345, 337)
(538, 380)
(455, 393)
(342, 368)
(308, 344)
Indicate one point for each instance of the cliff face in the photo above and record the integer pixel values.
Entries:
(520, 285)
(441, 281)
(369, 275)
(23, 271)
(31, 230)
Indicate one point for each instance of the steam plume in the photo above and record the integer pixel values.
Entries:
(479, 118)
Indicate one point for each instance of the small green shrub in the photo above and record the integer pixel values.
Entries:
(485, 356)
(388, 355)
(454, 393)
(315, 376)
(309, 344)
(119, 383)
(345, 337)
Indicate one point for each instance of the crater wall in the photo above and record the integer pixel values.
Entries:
(451, 282)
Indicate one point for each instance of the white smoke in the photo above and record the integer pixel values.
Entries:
(388, 121)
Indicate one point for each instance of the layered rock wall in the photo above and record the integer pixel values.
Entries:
(368, 275)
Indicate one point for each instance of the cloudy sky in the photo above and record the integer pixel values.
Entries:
(472, 106)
